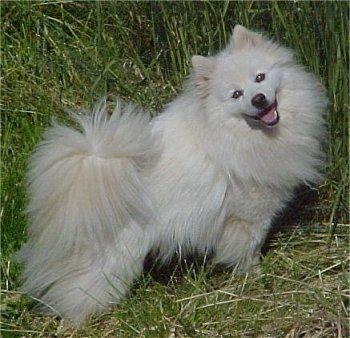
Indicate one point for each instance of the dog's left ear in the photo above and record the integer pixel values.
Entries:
(242, 37)
(202, 68)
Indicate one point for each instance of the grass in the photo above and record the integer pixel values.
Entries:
(61, 54)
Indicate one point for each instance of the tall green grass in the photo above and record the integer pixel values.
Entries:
(59, 54)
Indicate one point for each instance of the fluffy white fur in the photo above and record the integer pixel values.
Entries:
(208, 174)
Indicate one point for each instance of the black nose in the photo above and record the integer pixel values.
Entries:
(259, 101)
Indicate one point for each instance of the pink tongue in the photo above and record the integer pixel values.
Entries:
(269, 116)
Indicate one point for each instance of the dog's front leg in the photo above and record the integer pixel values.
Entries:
(240, 245)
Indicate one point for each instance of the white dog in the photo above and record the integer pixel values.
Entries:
(208, 174)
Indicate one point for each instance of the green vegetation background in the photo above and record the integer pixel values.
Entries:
(66, 54)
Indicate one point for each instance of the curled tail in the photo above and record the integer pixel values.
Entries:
(88, 209)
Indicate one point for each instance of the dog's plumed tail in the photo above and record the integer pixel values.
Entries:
(88, 209)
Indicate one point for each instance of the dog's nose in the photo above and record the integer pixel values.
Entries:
(259, 101)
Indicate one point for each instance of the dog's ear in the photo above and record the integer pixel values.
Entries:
(242, 37)
(202, 68)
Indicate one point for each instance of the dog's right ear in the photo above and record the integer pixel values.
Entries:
(202, 68)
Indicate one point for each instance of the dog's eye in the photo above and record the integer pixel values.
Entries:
(260, 77)
(237, 93)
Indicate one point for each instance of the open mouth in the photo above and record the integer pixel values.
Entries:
(268, 116)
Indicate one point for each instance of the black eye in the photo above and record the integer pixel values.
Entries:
(260, 77)
(237, 93)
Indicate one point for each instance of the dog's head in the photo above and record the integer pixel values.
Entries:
(244, 80)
